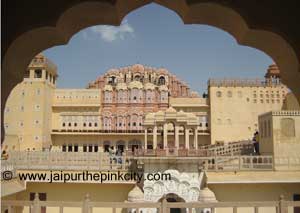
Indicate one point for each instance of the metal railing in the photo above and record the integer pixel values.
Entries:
(87, 206)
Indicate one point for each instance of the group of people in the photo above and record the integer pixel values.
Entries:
(115, 156)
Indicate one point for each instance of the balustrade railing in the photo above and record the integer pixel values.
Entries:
(66, 160)
(95, 130)
(47, 160)
(88, 206)
(231, 149)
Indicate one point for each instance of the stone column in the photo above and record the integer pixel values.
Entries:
(165, 141)
(177, 136)
(196, 138)
(187, 138)
(146, 138)
(155, 137)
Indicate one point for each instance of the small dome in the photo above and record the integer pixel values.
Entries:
(194, 94)
(136, 195)
(171, 109)
(112, 71)
(162, 71)
(206, 195)
(137, 68)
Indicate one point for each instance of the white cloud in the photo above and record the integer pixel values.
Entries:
(112, 33)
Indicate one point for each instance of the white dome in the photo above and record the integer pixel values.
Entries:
(206, 195)
(136, 194)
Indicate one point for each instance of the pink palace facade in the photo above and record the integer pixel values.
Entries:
(129, 93)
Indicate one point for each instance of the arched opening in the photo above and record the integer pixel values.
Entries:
(174, 198)
(171, 135)
(272, 44)
(120, 147)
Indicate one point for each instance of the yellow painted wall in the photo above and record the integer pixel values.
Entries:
(236, 118)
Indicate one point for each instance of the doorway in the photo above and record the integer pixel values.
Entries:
(173, 198)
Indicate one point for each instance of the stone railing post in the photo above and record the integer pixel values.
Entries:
(36, 208)
(85, 205)
(283, 208)
(164, 208)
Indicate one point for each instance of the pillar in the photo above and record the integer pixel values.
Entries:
(177, 136)
(196, 138)
(155, 137)
(165, 141)
(187, 138)
(146, 138)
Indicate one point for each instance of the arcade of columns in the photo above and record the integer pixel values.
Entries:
(179, 119)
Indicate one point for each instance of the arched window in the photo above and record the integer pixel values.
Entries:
(134, 95)
(137, 77)
(219, 94)
(163, 96)
(149, 96)
(112, 80)
(107, 97)
(161, 80)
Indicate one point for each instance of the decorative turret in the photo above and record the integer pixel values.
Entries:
(136, 195)
(42, 69)
(272, 72)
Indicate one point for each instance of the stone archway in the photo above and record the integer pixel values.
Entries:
(181, 185)
(56, 27)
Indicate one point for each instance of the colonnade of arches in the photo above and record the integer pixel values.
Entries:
(167, 135)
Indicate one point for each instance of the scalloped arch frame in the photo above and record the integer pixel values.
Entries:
(86, 14)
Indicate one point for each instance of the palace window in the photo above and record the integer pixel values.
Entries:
(84, 148)
(75, 148)
(63, 124)
(69, 124)
(161, 80)
(70, 148)
(219, 94)
(90, 148)
(96, 148)
(95, 124)
(90, 124)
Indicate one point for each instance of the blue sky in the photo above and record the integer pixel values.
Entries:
(156, 36)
